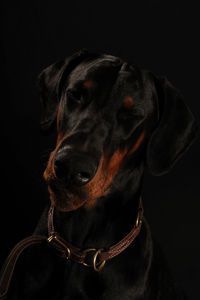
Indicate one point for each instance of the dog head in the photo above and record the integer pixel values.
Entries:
(111, 116)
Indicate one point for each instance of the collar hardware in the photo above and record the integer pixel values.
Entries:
(101, 255)
(58, 243)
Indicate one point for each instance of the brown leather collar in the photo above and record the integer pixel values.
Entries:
(100, 256)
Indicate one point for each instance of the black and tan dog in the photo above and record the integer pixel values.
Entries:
(112, 119)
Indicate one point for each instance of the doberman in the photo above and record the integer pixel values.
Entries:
(113, 119)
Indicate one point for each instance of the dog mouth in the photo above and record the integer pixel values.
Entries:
(65, 199)
(67, 176)
(68, 197)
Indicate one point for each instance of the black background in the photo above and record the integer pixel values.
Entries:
(161, 36)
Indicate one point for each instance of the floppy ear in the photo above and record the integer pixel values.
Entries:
(50, 85)
(175, 131)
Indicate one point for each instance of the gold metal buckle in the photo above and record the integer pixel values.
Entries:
(55, 237)
(96, 266)
(99, 266)
(86, 251)
(138, 220)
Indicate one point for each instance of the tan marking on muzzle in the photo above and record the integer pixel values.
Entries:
(49, 172)
(100, 185)
(137, 144)
(59, 133)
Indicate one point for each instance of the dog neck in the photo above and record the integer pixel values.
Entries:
(105, 224)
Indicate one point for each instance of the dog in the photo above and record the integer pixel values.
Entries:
(113, 119)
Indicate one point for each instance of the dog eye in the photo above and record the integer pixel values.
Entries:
(125, 114)
(74, 98)
(130, 116)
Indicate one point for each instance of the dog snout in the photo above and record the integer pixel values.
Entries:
(75, 168)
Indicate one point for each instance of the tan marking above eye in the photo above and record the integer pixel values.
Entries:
(88, 84)
(128, 102)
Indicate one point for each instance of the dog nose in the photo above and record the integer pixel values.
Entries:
(75, 168)
(82, 177)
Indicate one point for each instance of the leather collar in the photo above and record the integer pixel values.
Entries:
(99, 256)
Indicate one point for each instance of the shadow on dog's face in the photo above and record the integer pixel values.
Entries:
(108, 112)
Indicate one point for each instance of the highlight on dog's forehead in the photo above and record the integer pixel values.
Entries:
(90, 70)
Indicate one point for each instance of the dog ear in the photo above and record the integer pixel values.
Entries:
(49, 84)
(175, 132)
